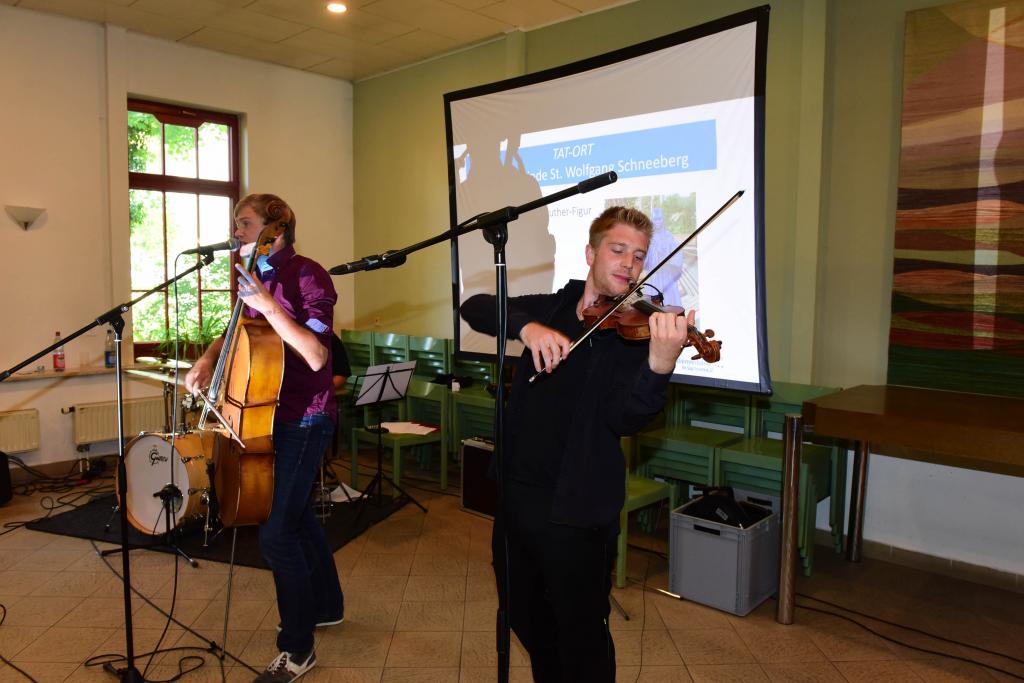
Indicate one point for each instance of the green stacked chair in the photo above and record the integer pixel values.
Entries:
(432, 356)
(755, 464)
(641, 491)
(472, 415)
(697, 422)
(390, 347)
(424, 403)
(472, 405)
(359, 349)
(482, 372)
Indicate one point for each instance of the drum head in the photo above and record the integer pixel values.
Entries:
(152, 467)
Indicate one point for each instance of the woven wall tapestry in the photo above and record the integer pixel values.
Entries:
(958, 281)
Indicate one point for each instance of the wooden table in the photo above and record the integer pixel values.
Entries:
(972, 431)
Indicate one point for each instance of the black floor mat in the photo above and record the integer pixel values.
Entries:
(344, 523)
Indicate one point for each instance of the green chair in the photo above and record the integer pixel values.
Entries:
(640, 492)
(424, 403)
(390, 347)
(755, 464)
(482, 372)
(433, 358)
(359, 347)
(472, 415)
(698, 422)
(431, 355)
(476, 400)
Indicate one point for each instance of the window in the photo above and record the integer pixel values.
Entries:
(183, 185)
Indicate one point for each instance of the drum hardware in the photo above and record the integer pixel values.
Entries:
(207, 499)
(322, 498)
(150, 462)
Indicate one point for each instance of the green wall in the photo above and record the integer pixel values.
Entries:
(832, 116)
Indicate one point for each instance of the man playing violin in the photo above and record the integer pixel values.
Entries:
(296, 297)
(564, 468)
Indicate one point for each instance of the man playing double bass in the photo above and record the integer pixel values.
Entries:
(296, 297)
(564, 469)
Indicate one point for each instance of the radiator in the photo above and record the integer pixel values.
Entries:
(98, 421)
(19, 431)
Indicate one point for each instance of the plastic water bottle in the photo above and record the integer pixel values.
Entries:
(108, 350)
(58, 354)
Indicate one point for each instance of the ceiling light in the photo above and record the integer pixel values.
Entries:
(336, 7)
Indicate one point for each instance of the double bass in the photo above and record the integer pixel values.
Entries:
(245, 385)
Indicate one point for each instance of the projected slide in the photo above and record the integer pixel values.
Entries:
(680, 124)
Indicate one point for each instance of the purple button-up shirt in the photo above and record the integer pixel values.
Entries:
(306, 292)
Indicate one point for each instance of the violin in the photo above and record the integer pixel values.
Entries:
(630, 321)
(709, 350)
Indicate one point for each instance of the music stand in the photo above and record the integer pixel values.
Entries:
(381, 384)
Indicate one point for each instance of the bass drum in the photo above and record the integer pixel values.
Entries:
(152, 465)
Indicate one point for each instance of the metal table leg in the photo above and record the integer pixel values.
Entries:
(858, 492)
(789, 552)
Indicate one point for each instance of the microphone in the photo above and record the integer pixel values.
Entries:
(232, 244)
(597, 181)
(388, 259)
(368, 263)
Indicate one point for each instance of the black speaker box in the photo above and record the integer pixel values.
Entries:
(479, 492)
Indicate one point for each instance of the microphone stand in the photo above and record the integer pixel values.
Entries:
(114, 318)
(495, 228)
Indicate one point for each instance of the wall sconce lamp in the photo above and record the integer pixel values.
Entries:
(24, 216)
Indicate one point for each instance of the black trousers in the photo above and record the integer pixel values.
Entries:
(560, 579)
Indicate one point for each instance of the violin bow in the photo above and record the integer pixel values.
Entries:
(629, 296)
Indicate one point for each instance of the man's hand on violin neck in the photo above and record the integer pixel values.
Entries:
(549, 346)
(668, 335)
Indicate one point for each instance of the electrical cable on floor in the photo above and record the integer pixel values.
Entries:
(914, 647)
(167, 623)
(3, 617)
(907, 628)
(50, 504)
(227, 602)
(212, 646)
(643, 583)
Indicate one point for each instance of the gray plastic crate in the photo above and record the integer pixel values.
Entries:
(722, 566)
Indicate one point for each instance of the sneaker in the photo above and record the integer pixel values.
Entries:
(287, 667)
(326, 622)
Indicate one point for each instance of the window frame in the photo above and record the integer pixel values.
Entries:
(191, 117)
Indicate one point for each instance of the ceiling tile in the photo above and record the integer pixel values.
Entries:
(372, 37)
(526, 14)
(330, 44)
(114, 12)
(92, 10)
(441, 18)
(471, 4)
(594, 5)
(421, 44)
(233, 43)
(217, 15)
(361, 65)
(367, 27)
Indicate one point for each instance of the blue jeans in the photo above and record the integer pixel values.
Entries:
(293, 542)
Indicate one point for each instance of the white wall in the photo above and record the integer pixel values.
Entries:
(63, 145)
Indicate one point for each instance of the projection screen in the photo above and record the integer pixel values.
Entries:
(680, 119)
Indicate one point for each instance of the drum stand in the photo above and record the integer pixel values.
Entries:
(169, 495)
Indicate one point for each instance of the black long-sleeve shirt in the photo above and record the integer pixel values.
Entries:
(619, 396)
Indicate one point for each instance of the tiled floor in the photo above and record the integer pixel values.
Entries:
(420, 603)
